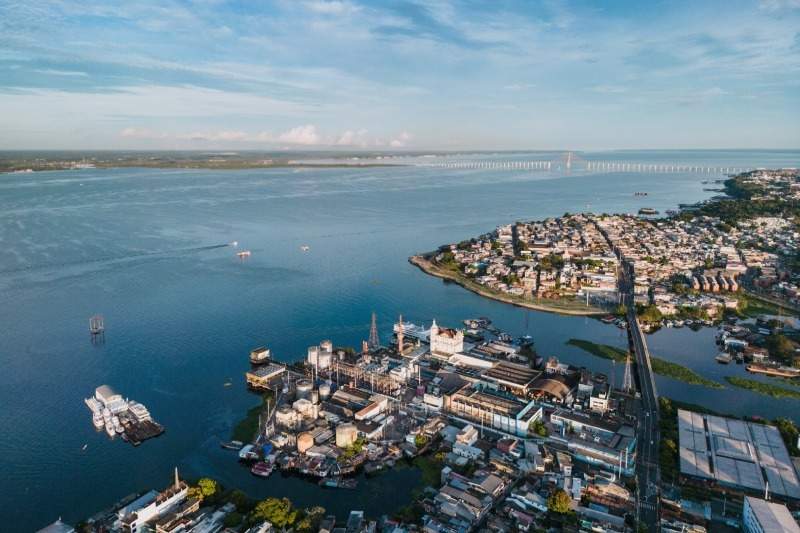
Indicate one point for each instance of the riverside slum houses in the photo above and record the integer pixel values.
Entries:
(497, 418)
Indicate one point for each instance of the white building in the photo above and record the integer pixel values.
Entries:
(131, 518)
(446, 341)
(761, 516)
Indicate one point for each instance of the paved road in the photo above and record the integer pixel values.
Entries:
(647, 473)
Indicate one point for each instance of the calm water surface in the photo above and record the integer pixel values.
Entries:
(140, 248)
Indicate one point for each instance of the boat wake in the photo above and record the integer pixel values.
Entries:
(112, 258)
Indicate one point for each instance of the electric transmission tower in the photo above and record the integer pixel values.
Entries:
(374, 342)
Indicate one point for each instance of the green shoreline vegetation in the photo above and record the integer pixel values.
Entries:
(767, 389)
(245, 430)
(660, 366)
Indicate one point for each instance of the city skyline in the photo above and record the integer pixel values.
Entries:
(404, 75)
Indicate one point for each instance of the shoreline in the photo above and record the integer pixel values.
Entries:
(429, 268)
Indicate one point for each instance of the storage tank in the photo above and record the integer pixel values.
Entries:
(325, 391)
(304, 388)
(304, 442)
(346, 434)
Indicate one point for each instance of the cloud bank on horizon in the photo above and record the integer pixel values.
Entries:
(399, 74)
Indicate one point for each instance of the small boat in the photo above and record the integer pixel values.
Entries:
(110, 429)
(84, 447)
(607, 319)
(679, 323)
(93, 405)
(723, 358)
(305, 248)
(261, 469)
(338, 483)
(232, 445)
(97, 420)
(235, 244)
(648, 211)
(243, 254)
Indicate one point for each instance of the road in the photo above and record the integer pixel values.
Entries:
(647, 466)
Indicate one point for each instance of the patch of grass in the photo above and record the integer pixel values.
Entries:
(767, 389)
(600, 350)
(681, 373)
(245, 430)
(431, 469)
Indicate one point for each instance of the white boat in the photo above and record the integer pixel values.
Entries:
(93, 405)
(305, 248)
(243, 253)
(97, 420)
(139, 411)
(107, 413)
(110, 429)
(118, 428)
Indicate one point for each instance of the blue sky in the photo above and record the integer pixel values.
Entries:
(400, 74)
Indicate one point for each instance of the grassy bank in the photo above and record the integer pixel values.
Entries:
(245, 430)
(564, 306)
(660, 366)
(681, 373)
(763, 388)
(600, 350)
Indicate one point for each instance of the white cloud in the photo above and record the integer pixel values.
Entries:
(331, 7)
(353, 138)
(306, 135)
(401, 140)
(142, 133)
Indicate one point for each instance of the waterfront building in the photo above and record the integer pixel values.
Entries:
(445, 341)
(761, 516)
(57, 527)
(264, 377)
(152, 506)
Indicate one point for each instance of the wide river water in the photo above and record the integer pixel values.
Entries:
(138, 247)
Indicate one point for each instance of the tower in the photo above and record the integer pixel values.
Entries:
(400, 336)
(374, 342)
(627, 380)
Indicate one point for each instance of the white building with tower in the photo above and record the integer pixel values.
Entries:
(446, 341)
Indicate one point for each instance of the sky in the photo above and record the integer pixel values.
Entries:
(399, 74)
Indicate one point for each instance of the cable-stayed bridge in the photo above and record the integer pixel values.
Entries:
(568, 162)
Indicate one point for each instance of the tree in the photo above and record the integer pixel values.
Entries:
(206, 489)
(420, 440)
(539, 428)
(233, 519)
(559, 502)
(780, 347)
(276, 511)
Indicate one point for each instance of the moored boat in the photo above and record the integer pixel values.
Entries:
(261, 469)
(232, 445)
(97, 420)
(110, 428)
(723, 358)
(338, 483)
